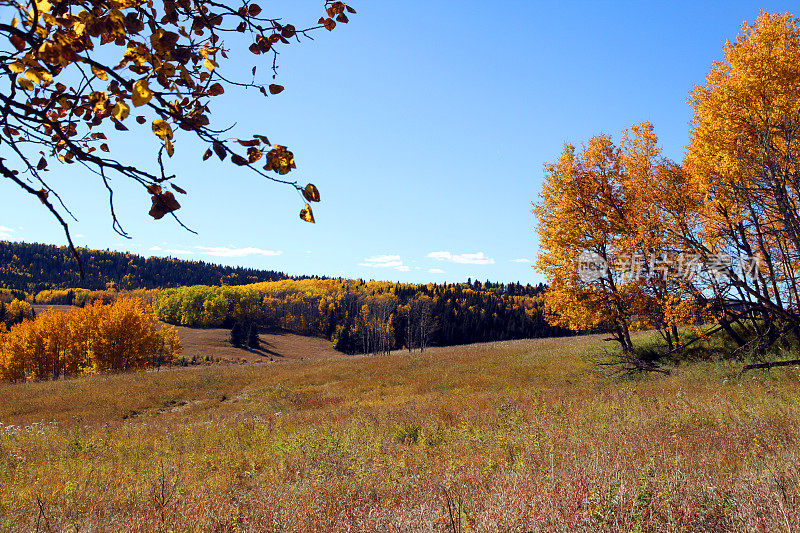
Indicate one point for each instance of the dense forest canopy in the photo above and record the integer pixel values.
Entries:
(36, 267)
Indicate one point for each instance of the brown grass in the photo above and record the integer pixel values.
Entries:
(214, 345)
(524, 434)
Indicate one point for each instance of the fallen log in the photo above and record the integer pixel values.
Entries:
(791, 362)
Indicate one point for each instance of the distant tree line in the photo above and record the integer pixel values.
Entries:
(36, 267)
(358, 316)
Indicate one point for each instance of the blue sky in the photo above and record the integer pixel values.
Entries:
(425, 126)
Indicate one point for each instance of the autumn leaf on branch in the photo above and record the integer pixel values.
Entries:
(165, 58)
(163, 203)
(311, 193)
(306, 214)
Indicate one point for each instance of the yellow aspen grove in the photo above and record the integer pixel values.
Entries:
(124, 335)
(719, 234)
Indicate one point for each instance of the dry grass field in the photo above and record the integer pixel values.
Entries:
(513, 436)
(214, 344)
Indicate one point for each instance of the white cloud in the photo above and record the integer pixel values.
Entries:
(5, 233)
(478, 258)
(178, 252)
(521, 260)
(385, 261)
(436, 271)
(155, 249)
(224, 251)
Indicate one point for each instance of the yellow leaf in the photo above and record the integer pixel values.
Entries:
(33, 76)
(121, 110)
(46, 77)
(125, 4)
(100, 100)
(141, 93)
(16, 67)
(170, 147)
(100, 73)
(306, 214)
(209, 64)
(162, 130)
(311, 193)
(43, 6)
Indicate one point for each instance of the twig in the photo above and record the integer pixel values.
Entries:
(42, 514)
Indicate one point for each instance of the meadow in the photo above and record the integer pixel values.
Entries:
(510, 436)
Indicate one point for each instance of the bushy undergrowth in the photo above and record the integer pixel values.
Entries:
(650, 352)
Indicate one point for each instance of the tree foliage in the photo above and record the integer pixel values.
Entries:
(15, 312)
(122, 336)
(732, 207)
(75, 70)
(603, 204)
(366, 317)
(744, 159)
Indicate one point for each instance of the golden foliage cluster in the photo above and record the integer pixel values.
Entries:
(121, 336)
(14, 312)
(605, 200)
(735, 197)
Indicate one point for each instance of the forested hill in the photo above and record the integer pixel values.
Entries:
(36, 267)
(358, 316)
(365, 316)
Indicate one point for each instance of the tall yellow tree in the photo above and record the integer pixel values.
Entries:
(744, 160)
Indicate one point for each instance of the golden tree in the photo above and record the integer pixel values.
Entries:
(579, 192)
(72, 69)
(733, 208)
(744, 161)
(606, 251)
